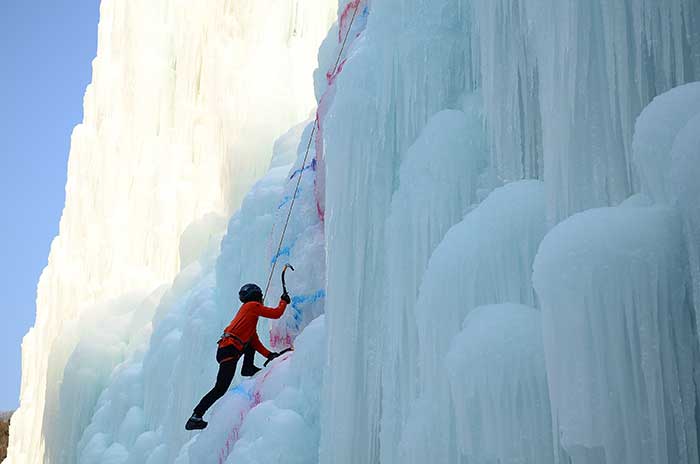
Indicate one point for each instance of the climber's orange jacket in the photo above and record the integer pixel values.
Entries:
(242, 329)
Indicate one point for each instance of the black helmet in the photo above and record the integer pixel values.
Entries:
(250, 292)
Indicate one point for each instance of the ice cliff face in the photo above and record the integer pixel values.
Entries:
(496, 235)
(180, 120)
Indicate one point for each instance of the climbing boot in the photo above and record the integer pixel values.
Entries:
(196, 422)
(249, 371)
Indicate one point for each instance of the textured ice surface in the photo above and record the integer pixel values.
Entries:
(562, 85)
(685, 172)
(374, 118)
(655, 132)
(497, 377)
(180, 118)
(189, 320)
(485, 259)
(433, 194)
(432, 107)
(619, 336)
(598, 63)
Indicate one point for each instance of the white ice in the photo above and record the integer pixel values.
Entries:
(496, 370)
(453, 140)
(485, 259)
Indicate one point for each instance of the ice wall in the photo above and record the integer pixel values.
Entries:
(562, 85)
(624, 388)
(362, 157)
(136, 421)
(666, 155)
(598, 64)
(684, 174)
(619, 335)
(417, 206)
(497, 374)
(433, 194)
(185, 103)
(484, 259)
(654, 136)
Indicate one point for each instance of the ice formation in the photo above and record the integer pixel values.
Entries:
(666, 153)
(453, 144)
(485, 259)
(180, 119)
(654, 136)
(618, 330)
(497, 373)
(685, 171)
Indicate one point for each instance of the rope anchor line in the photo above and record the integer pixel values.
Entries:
(306, 156)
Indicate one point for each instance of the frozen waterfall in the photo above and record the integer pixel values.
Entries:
(496, 235)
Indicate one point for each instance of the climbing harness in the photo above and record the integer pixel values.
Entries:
(226, 335)
(306, 156)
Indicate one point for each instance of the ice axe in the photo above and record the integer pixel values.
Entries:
(274, 356)
(284, 289)
(284, 282)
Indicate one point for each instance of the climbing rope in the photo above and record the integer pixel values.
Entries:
(306, 156)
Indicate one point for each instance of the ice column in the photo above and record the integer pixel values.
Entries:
(485, 259)
(499, 387)
(599, 63)
(437, 182)
(619, 336)
(654, 136)
(685, 172)
(384, 97)
(510, 85)
(667, 158)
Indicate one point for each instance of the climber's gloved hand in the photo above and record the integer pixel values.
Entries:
(285, 297)
(271, 357)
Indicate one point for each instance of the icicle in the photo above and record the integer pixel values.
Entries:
(485, 259)
(438, 180)
(498, 382)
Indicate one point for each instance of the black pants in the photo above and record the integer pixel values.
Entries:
(228, 359)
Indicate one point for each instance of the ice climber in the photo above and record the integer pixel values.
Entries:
(240, 338)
